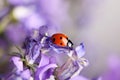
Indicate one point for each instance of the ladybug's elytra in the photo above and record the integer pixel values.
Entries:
(61, 40)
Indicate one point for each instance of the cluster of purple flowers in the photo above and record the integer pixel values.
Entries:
(21, 24)
(40, 59)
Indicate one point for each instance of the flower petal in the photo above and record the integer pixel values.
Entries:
(80, 50)
(18, 63)
(44, 60)
(26, 74)
(79, 78)
(43, 29)
(40, 74)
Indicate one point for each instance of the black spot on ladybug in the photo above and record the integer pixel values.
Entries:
(60, 43)
(60, 37)
(53, 40)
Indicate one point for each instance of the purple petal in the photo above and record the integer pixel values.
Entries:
(26, 74)
(70, 70)
(40, 74)
(80, 50)
(52, 60)
(18, 63)
(35, 53)
(79, 69)
(44, 60)
(79, 78)
(42, 30)
(59, 58)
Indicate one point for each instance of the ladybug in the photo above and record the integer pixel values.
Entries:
(61, 40)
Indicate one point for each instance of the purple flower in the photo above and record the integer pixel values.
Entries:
(38, 58)
(43, 60)
(20, 72)
(18, 63)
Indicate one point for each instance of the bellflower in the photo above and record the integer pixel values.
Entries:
(40, 59)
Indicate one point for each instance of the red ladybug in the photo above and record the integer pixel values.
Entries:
(61, 40)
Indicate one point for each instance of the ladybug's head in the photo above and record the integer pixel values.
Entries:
(69, 43)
